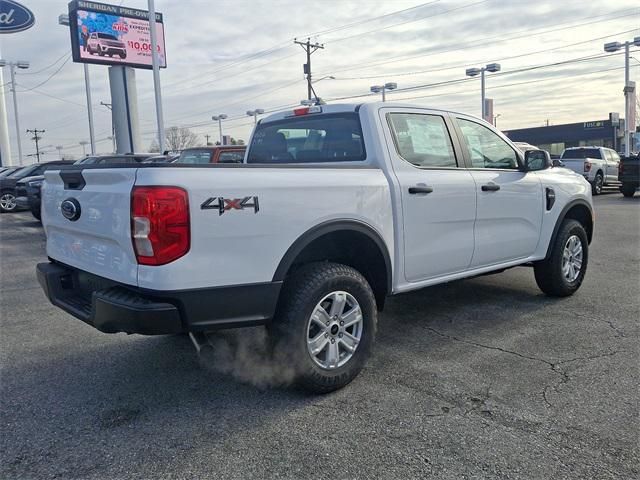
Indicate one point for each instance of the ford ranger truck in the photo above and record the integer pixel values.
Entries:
(335, 208)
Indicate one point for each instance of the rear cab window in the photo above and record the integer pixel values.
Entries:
(582, 153)
(316, 138)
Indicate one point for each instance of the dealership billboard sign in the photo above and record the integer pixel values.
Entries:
(113, 35)
(15, 17)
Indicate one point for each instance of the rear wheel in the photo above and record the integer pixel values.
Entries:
(562, 273)
(598, 182)
(7, 202)
(325, 327)
(628, 189)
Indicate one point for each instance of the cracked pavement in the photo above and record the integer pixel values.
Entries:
(482, 378)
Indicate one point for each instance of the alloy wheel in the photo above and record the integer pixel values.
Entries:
(334, 330)
(572, 258)
(8, 202)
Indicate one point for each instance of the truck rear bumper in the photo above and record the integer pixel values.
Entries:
(112, 307)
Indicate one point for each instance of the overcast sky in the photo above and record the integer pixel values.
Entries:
(232, 56)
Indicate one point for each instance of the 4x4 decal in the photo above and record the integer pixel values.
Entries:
(225, 204)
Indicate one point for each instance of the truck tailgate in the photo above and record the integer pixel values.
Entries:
(99, 240)
(575, 164)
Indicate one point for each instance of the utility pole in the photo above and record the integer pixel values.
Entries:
(207, 137)
(36, 138)
(59, 148)
(309, 48)
(12, 71)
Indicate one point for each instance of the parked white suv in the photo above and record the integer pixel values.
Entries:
(335, 208)
(598, 165)
(106, 44)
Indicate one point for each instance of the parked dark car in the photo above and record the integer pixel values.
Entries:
(629, 174)
(217, 154)
(28, 194)
(8, 183)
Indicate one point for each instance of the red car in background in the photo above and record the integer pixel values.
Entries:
(217, 154)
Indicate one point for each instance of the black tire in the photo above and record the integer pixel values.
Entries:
(628, 189)
(36, 214)
(597, 184)
(549, 274)
(289, 331)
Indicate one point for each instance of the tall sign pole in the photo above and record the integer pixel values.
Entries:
(87, 86)
(156, 74)
(12, 69)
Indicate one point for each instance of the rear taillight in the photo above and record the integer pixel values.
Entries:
(587, 166)
(160, 224)
(620, 168)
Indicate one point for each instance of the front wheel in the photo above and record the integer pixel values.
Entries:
(596, 186)
(7, 202)
(562, 273)
(325, 326)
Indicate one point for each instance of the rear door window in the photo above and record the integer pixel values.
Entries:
(422, 140)
(309, 139)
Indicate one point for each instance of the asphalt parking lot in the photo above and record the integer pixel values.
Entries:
(483, 378)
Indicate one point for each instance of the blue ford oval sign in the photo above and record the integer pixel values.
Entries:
(15, 17)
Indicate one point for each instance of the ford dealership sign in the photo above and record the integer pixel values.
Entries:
(14, 17)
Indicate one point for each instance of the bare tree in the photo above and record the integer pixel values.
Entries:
(177, 138)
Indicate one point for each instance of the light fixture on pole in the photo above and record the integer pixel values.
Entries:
(473, 72)
(84, 143)
(219, 118)
(12, 69)
(629, 89)
(63, 20)
(384, 88)
(255, 113)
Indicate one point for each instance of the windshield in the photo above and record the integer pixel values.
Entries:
(106, 36)
(23, 172)
(307, 139)
(582, 153)
(195, 156)
(8, 172)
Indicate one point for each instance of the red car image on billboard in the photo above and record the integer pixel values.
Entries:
(113, 35)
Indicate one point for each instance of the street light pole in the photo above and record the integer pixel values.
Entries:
(12, 70)
(219, 118)
(473, 72)
(383, 88)
(254, 114)
(64, 21)
(629, 88)
(84, 150)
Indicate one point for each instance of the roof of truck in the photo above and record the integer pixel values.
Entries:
(350, 107)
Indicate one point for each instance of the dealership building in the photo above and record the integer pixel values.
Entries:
(555, 138)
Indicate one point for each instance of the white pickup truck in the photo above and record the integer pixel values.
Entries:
(599, 165)
(334, 208)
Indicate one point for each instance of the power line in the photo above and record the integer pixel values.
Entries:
(473, 43)
(50, 76)
(48, 66)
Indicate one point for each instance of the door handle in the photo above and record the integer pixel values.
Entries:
(490, 187)
(420, 189)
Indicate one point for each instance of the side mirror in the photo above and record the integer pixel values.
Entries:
(558, 163)
(535, 160)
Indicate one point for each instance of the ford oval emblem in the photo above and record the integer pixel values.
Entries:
(15, 17)
(70, 209)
